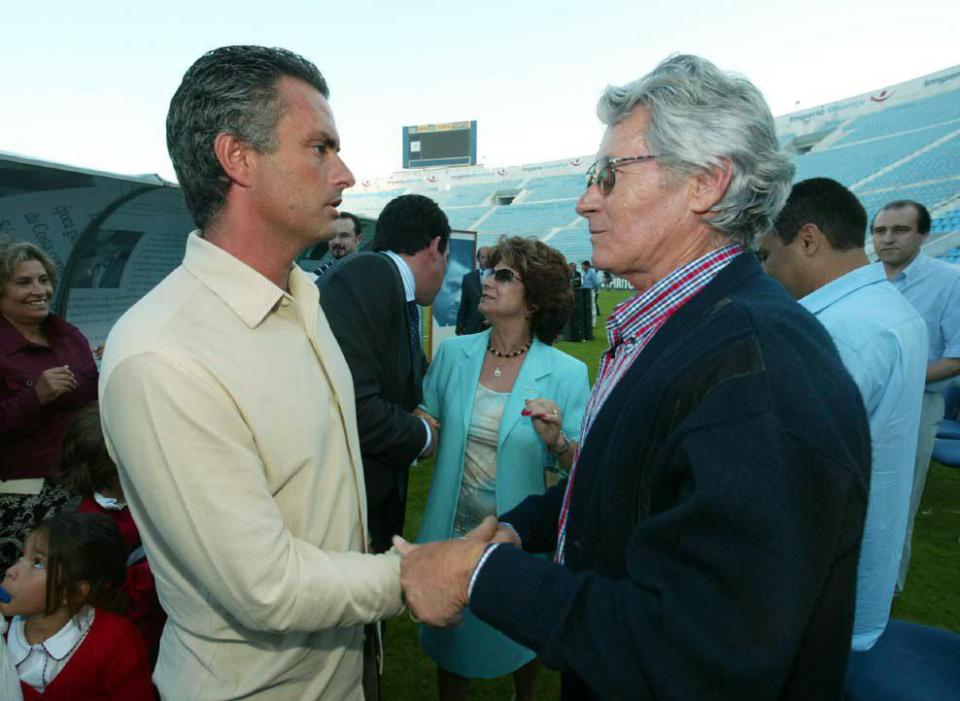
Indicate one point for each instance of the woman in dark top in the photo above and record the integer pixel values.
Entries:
(47, 373)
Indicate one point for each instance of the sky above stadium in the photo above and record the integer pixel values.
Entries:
(88, 84)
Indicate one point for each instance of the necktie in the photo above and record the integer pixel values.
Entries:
(413, 315)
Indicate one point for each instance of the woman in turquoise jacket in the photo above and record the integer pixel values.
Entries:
(506, 402)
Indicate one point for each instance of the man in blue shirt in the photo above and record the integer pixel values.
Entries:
(933, 288)
(816, 252)
(591, 281)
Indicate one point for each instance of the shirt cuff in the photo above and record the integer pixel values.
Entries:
(515, 532)
(476, 570)
(426, 443)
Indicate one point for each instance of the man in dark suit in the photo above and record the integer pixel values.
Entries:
(370, 300)
(469, 318)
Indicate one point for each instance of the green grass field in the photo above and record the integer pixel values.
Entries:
(932, 596)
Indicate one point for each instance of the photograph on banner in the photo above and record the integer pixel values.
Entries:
(463, 259)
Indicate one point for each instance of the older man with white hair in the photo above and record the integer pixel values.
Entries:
(706, 540)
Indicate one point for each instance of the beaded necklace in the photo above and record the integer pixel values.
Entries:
(515, 354)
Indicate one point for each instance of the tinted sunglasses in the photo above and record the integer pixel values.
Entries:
(604, 171)
(503, 275)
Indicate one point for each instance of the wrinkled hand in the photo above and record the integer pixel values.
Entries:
(547, 420)
(54, 382)
(436, 576)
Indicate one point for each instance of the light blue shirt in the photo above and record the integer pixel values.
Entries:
(933, 287)
(409, 282)
(882, 341)
(590, 279)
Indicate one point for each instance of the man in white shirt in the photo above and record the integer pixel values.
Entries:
(248, 490)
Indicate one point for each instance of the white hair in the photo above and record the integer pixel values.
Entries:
(701, 118)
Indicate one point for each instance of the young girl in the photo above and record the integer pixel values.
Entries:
(65, 639)
(87, 470)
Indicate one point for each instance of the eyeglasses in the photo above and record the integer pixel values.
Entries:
(504, 275)
(604, 171)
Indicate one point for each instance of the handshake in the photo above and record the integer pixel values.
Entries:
(435, 577)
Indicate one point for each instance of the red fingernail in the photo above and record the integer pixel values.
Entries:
(525, 412)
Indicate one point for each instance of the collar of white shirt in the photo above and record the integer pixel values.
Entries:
(58, 645)
(406, 274)
(109, 503)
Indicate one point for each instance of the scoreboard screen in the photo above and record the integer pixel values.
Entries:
(450, 144)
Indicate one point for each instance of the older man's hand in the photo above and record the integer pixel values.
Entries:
(436, 576)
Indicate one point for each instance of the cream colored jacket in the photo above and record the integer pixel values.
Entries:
(229, 409)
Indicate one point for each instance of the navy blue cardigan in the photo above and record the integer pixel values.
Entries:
(716, 515)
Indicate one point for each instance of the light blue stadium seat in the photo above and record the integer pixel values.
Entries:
(555, 187)
(932, 110)
(939, 162)
(909, 662)
(464, 217)
(947, 452)
(849, 164)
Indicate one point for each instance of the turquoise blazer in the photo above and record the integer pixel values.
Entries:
(474, 649)
(448, 394)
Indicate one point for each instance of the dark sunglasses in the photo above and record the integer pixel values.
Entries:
(503, 275)
(604, 171)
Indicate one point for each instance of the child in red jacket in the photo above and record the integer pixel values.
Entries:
(86, 469)
(65, 640)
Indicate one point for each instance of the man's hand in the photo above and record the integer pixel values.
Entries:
(54, 382)
(434, 431)
(436, 576)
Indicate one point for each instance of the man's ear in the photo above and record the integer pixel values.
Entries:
(236, 157)
(710, 186)
(810, 239)
(435, 252)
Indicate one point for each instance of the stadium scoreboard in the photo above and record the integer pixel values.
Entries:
(450, 144)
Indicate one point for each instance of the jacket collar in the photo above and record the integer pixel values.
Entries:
(12, 341)
(537, 365)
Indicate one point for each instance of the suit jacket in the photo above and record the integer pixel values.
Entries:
(469, 318)
(365, 304)
(715, 519)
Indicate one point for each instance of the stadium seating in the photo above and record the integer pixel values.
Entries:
(852, 163)
(905, 151)
(466, 194)
(932, 110)
(554, 188)
(464, 218)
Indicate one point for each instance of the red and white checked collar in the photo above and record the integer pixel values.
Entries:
(630, 328)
